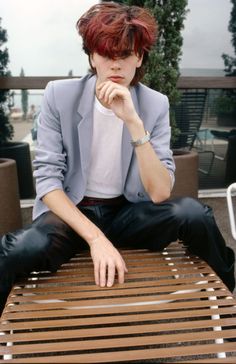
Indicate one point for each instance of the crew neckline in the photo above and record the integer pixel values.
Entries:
(104, 110)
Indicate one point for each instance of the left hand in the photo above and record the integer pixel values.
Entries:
(107, 262)
(118, 98)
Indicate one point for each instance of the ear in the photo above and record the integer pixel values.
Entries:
(139, 61)
(91, 61)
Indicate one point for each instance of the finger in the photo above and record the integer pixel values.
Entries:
(103, 89)
(125, 267)
(96, 273)
(100, 86)
(121, 273)
(111, 275)
(106, 89)
(105, 84)
(114, 94)
(102, 275)
(109, 93)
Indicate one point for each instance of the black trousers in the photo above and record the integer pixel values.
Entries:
(49, 242)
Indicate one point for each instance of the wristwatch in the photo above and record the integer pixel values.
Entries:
(141, 141)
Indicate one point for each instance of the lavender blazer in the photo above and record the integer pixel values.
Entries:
(65, 135)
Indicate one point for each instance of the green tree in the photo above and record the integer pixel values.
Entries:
(24, 98)
(226, 103)
(230, 61)
(162, 69)
(6, 129)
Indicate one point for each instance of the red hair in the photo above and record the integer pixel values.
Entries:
(114, 30)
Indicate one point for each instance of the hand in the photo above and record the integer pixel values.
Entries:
(118, 98)
(107, 261)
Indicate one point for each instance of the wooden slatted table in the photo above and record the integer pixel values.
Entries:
(171, 308)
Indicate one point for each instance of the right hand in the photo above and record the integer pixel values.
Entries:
(107, 262)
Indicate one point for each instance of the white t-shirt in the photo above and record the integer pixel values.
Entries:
(105, 179)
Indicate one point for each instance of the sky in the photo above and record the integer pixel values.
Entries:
(42, 37)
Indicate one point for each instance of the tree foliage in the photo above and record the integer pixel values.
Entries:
(6, 129)
(230, 61)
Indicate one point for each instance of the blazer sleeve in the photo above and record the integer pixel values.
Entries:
(50, 157)
(160, 138)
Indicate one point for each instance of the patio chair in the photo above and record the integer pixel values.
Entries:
(230, 191)
(189, 114)
(207, 138)
(171, 308)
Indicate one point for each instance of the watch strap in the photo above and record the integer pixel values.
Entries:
(141, 141)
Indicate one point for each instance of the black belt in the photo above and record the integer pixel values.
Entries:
(91, 201)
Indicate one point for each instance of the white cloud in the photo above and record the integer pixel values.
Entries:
(42, 37)
(206, 34)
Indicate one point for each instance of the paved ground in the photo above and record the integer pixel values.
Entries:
(21, 129)
(219, 206)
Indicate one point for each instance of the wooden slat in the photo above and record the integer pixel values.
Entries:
(27, 83)
(227, 360)
(152, 267)
(142, 317)
(115, 343)
(136, 328)
(51, 280)
(206, 82)
(113, 310)
(184, 82)
(130, 284)
(157, 313)
(125, 356)
(115, 301)
(110, 293)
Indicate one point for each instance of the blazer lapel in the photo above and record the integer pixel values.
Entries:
(85, 126)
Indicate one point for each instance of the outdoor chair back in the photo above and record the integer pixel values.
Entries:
(188, 116)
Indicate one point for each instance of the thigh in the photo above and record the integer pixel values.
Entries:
(61, 241)
(44, 245)
(144, 225)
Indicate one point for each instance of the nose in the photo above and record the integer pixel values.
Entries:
(115, 64)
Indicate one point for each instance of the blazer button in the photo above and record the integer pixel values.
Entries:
(67, 189)
(140, 194)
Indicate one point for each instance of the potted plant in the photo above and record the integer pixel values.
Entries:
(225, 106)
(162, 73)
(10, 212)
(18, 151)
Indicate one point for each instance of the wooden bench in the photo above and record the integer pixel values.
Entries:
(171, 308)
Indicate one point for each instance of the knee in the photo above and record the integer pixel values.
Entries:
(23, 245)
(190, 210)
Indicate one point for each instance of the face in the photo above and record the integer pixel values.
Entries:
(119, 70)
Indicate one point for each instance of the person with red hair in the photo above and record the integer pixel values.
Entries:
(133, 31)
(104, 169)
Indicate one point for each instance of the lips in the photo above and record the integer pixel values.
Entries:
(116, 78)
